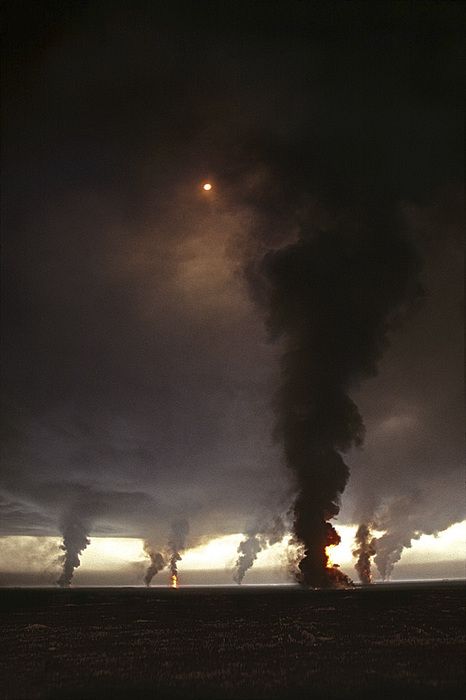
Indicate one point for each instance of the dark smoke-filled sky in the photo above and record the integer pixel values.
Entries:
(144, 319)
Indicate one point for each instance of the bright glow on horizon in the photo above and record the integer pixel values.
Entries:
(218, 553)
(20, 553)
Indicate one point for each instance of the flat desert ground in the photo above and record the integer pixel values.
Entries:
(399, 641)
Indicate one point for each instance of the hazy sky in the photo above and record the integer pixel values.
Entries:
(138, 373)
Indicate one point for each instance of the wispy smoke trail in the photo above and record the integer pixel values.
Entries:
(364, 551)
(75, 541)
(250, 547)
(157, 562)
(177, 543)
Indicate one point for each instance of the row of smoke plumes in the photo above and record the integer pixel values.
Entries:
(76, 539)
(384, 551)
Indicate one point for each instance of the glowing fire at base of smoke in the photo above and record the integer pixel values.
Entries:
(328, 553)
(174, 581)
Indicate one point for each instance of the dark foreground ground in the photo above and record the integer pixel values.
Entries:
(393, 641)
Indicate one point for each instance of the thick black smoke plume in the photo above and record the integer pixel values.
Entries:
(364, 551)
(177, 544)
(157, 562)
(75, 540)
(331, 297)
(259, 539)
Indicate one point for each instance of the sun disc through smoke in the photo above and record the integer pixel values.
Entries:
(207, 187)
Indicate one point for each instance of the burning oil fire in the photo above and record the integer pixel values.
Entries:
(328, 553)
(174, 581)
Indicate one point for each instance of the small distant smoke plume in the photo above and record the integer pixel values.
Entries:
(177, 544)
(157, 562)
(364, 551)
(400, 521)
(403, 520)
(249, 548)
(389, 549)
(75, 540)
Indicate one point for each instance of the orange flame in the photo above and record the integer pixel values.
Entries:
(328, 553)
(174, 581)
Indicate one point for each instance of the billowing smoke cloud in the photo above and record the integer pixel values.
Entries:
(157, 562)
(250, 547)
(75, 540)
(331, 298)
(177, 543)
(364, 551)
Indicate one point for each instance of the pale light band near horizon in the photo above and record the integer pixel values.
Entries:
(18, 553)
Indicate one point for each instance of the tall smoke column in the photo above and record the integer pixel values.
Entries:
(176, 544)
(364, 551)
(250, 547)
(157, 562)
(331, 297)
(75, 541)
